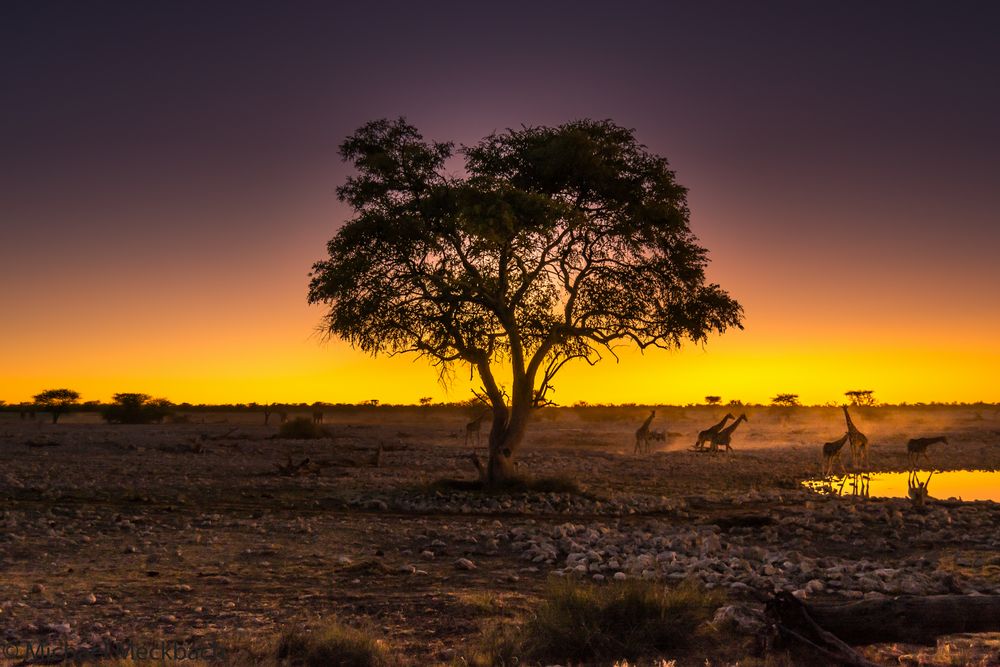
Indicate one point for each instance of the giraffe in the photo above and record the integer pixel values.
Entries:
(725, 436)
(858, 440)
(642, 435)
(918, 446)
(710, 432)
(318, 417)
(831, 454)
(472, 428)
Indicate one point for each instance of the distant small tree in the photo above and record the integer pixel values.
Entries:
(861, 397)
(425, 401)
(57, 401)
(713, 400)
(786, 400)
(134, 408)
(735, 403)
(373, 402)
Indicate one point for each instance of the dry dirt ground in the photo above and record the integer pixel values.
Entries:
(186, 531)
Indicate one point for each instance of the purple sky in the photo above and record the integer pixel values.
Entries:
(843, 158)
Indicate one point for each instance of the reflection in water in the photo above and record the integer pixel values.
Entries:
(916, 489)
(916, 485)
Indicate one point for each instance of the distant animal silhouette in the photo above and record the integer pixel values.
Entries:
(283, 416)
(659, 436)
(472, 429)
(725, 436)
(918, 446)
(858, 440)
(318, 417)
(831, 454)
(642, 435)
(710, 432)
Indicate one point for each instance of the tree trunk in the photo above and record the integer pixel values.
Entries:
(55, 416)
(506, 435)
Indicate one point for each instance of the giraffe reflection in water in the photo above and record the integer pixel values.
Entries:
(917, 490)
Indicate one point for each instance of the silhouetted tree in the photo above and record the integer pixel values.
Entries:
(861, 396)
(57, 401)
(557, 244)
(786, 400)
(133, 408)
(426, 400)
(713, 400)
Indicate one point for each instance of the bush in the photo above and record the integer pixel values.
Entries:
(301, 428)
(334, 645)
(580, 621)
(129, 408)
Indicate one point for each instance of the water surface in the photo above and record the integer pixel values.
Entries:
(960, 484)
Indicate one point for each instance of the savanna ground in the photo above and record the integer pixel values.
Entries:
(187, 532)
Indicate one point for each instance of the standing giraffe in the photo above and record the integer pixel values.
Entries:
(642, 435)
(724, 437)
(472, 428)
(859, 442)
(710, 432)
(831, 454)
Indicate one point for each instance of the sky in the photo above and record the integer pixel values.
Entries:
(169, 173)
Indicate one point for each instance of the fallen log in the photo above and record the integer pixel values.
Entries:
(908, 619)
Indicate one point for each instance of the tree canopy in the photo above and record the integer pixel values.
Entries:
(787, 400)
(861, 397)
(557, 243)
(57, 401)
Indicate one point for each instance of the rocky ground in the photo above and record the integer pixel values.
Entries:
(189, 532)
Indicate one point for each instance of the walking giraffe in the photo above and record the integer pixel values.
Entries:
(642, 435)
(710, 432)
(918, 446)
(858, 440)
(725, 436)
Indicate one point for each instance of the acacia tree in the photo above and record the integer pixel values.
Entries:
(57, 401)
(861, 397)
(786, 400)
(558, 243)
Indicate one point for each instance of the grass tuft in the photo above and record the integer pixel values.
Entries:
(584, 622)
(334, 645)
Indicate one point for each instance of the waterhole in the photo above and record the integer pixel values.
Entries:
(958, 484)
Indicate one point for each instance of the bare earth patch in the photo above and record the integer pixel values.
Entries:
(190, 533)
